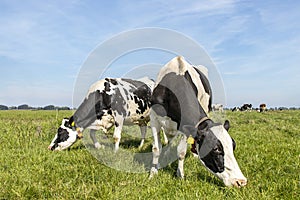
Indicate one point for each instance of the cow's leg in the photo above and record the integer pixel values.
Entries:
(181, 151)
(143, 129)
(118, 129)
(94, 139)
(156, 148)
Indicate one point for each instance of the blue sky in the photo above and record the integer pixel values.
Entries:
(254, 44)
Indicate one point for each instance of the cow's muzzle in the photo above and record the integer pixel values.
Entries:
(239, 183)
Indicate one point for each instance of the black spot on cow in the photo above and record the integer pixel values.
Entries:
(189, 79)
(178, 100)
(106, 86)
(92, 108)
(126, 94)
(118, 102)
(116, 124)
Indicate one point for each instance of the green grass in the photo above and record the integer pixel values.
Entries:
(268, 152)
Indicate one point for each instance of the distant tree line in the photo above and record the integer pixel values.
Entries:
(273, 109)
(27, 107)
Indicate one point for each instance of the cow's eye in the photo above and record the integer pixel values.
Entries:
(217, 150)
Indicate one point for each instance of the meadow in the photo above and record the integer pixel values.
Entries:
(268, 152)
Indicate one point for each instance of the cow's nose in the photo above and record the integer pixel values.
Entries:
(240, 183)
(49, 147)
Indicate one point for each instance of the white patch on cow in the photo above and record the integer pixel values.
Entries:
(99, 85)
(147, 81)
(232, 172)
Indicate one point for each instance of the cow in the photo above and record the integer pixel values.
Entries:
(217, 107)
(109, 102)
(246, 107)
(262, 107)
(175, 106)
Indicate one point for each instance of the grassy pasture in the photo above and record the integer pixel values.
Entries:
(268, 152)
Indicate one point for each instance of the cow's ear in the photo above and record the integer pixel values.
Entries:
(226, 125)
(189, 130)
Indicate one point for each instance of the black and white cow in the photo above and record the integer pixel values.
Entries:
(177, 108)
(246, 107)
(109, 102)
(217, 107)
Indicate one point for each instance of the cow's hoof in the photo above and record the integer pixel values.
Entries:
(180, 174)
(153, 172)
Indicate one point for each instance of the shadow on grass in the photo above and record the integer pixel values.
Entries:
(205, 177)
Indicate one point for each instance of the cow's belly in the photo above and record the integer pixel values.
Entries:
(135, 118)
(106, 122)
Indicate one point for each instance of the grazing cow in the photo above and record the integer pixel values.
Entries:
(109, 102)
(246, 107)
(175, 106)
(217, 107)
(262, 107)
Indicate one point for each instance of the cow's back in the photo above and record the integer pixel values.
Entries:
(125, 98)
(197, 77)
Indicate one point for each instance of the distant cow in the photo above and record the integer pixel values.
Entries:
(262, 107)
(175, 106)
(109, 102)
(217, 107)
(246, 107)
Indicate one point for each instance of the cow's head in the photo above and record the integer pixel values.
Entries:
(215, 150)
(65, 137)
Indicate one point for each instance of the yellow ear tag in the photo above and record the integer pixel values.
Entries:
(73, 124)
(190, 140)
